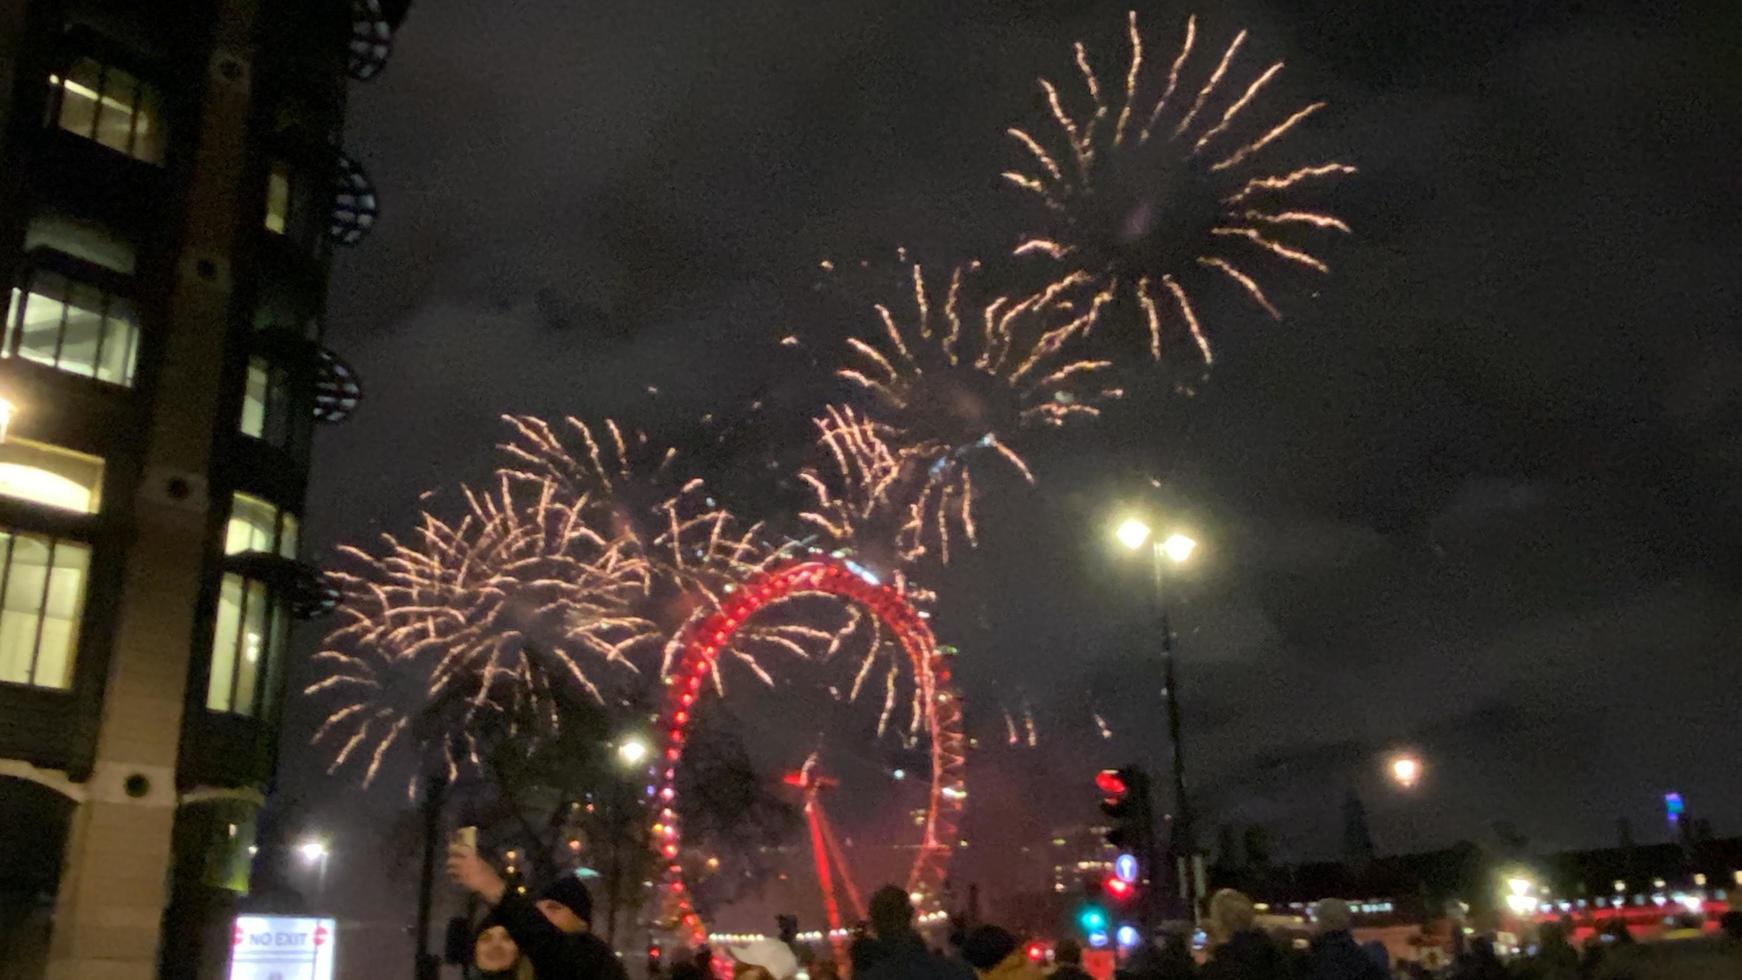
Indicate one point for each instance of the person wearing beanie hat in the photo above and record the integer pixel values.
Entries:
(495, 955)
(567, 904)
(554, 933)
(996, 954)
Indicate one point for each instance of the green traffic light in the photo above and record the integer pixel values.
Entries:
(1092, 919)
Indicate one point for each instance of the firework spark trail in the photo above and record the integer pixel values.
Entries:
(1101, 726)
(459, 628)
(1028, 723)
(1100, 214)
(948, 383)
(1010, 728)
(577, 569)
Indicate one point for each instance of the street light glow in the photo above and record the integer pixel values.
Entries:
(1178, 548)
(7, 410)
(1405, 771)
(632, 751)
(312, 850)
(1132, 533)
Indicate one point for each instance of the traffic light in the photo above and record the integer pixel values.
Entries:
(653, 957)
(1125, 800)
(1092, 919)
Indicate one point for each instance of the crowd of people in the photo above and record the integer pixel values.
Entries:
(550, 938)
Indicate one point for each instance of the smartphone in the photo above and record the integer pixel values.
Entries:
(467, 836)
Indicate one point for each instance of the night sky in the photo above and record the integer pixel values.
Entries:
(1477, 494)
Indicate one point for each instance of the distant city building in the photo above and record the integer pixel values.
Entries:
(1079, 853)
(174, 188)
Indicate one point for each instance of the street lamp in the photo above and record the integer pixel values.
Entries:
(1175, 549)
(1405, 770)
(312, 851)
(632, 751)
(1520, 895)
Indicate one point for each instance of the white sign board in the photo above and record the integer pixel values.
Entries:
(271, 947)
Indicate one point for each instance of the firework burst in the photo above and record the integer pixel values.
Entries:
(682, 551)
(1159, 189)
(483, 621)
(948, 383)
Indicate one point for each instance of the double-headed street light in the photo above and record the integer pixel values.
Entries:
(1175, 549)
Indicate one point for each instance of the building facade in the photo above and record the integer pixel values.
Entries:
(174, 188)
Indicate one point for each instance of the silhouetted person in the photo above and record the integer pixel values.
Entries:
(1479, 962)
(1554, 959)
(996, 954)
(1730, 926)
(1069, 956)
(897, 952)
(1242, 952)
(1335, 955)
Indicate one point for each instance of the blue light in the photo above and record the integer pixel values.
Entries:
(1098, 940)
(1672, 803)
(1127, 936)
(861, 571)
(1092, 920)
(1125, 868)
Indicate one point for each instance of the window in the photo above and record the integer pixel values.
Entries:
(266, 408)
(42, 594)
(256, 525)
(83, 240)
(280, 308)
(51, 477)
(278, 198)
(109, 106)
(74, 326)
(247, 643)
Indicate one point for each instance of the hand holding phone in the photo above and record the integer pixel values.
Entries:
(470, 871)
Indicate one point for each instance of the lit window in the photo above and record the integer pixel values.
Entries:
(42, 594)
(51, 477)
(247, 643)
(256, 525)
(73, 326)
(109, 106)
(266, 409)
(277, 198)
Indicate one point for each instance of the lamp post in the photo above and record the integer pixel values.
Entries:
(1175, 549)
(315, 851)
(621, 808)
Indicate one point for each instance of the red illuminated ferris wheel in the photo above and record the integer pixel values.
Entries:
(940, 713)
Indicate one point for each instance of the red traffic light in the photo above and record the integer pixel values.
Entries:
(1118, 888)
(1110, 782)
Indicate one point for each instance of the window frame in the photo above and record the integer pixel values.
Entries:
(275, 642)
(116, 291)
(286, 530)
(148, 99)
(78, 622)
